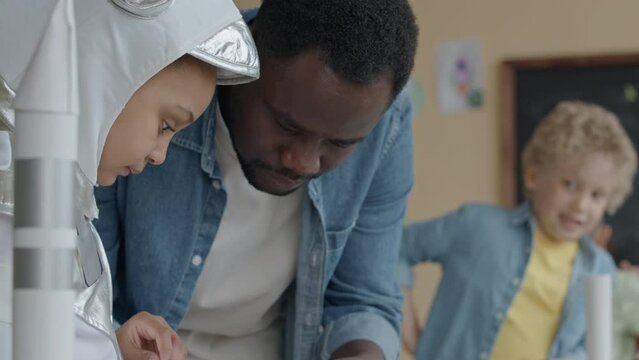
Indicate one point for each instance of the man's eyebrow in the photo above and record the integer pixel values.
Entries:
(287, 120)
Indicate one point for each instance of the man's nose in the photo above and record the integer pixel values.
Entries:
(302, 157)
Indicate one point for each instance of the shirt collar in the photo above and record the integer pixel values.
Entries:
(522, 214)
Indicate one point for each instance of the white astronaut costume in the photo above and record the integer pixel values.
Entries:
(120, 45)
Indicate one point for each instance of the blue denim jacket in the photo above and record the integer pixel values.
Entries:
(484, 252)
(158, 226)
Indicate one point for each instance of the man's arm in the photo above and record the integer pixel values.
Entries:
(362, 307)
(410, 323)
(578, 353)
(143, 336)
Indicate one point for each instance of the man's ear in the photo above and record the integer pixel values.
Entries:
(530, 178)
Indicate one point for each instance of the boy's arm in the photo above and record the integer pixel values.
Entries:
(579, 353)
(431, 240)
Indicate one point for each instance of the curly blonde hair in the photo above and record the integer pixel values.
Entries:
(578, 129)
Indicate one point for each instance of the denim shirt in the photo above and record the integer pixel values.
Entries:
(158, 228)
(484, 252)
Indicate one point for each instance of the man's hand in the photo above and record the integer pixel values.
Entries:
(410, 324)
(358, 350)
(149, 337)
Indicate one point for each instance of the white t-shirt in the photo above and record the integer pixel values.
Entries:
(235, 309)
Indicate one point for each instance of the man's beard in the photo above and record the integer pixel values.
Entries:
(250, 169)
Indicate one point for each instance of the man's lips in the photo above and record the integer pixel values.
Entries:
(286, 180)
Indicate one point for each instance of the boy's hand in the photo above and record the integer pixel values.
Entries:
(410, 324)
(149, 337)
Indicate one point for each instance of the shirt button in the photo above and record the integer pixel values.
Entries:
(515, 281)
(483, 356)
(314, 259)
(309, 319)
(216, 185)
(499, 315)
(196, 260)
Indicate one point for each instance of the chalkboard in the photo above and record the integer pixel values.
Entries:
(531, 88)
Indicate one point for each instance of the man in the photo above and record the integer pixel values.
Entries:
(281, 208)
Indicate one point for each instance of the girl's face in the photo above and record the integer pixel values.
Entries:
(167, 103)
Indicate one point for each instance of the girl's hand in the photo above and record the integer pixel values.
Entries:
(149, 337)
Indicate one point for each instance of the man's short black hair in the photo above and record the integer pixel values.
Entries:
(362, 41)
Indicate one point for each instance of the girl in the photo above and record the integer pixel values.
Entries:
(140, 81)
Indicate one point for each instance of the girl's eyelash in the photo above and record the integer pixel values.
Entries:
(166, 126)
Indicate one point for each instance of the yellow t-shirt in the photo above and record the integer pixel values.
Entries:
(533, 319)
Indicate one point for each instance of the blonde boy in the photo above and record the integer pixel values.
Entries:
(512, 284)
